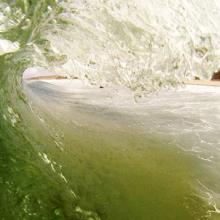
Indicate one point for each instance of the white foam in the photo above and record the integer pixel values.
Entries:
(200, 89)
(6, 46)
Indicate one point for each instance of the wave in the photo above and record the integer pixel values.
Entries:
(47, 170)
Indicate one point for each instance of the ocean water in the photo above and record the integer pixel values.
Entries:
(117, 140)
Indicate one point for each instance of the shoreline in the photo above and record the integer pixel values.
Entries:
(188, 82)
(203, 82)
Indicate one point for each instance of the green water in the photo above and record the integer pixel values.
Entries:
(116, 175)
(99, 171)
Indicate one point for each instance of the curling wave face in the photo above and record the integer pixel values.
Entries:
(63, 156)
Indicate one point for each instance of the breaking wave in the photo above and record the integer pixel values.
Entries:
(141, 45)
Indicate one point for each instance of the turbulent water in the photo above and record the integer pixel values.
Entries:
(101, 146)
